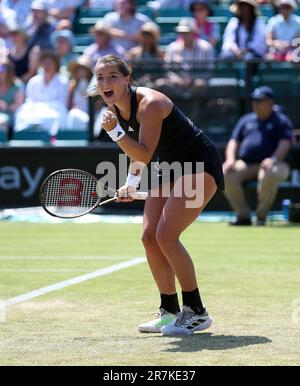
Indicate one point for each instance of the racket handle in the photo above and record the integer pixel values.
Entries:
(139, 195)
(135, 196)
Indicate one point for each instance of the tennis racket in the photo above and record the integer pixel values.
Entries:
(70, 193)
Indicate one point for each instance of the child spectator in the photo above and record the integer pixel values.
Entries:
(125, 23)
(244, 36)
(103, 43)
(282, 29)
(11, 94)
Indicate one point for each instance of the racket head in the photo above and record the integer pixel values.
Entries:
(70, 193)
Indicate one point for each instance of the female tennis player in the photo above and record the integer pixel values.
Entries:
(143, 121)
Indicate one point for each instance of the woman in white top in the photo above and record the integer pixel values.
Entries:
(244, 36)
(46, 98)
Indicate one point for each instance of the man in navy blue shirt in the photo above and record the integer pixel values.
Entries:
(258, 146)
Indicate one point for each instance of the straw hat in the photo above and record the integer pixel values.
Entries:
(234, 8)
(151, 28)
(100, 26)
(291, 3)
(186, 24)
(82, 61)
(15, 28)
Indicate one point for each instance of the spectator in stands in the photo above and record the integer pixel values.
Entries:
(184, 54)
(20, 10)
(103, 43)
(156, 5)
(206, 30)
(105, 4)
(244, 36)
(11, 94)
(188, 48)
(63, 9)
(24, 57)
(46, 98)
(63, 42)
(282, 29)
(81, 73)
(148, 47)
(39, 26)
(125, 23)
(257, 149)
(147, 56)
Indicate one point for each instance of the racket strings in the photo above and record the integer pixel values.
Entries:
(70, 194)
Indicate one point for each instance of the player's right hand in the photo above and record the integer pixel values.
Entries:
(109, 121)
(123, 193)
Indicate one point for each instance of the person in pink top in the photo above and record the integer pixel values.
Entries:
(206, 30)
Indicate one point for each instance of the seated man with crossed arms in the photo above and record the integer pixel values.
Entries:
(257, 149)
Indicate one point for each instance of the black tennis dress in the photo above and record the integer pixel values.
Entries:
(180, 141)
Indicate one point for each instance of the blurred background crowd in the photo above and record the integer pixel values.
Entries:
(48, 50)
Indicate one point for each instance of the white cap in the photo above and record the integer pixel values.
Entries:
(291, 3)
(39, 5)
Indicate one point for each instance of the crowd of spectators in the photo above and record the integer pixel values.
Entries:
(43, 80)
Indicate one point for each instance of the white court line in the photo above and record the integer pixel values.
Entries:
(75, 280)
(45, 258)
(40, 270)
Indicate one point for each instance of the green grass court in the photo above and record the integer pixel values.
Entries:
(249, 280)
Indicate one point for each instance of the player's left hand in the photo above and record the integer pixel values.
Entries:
(267, 164)
(109, 121)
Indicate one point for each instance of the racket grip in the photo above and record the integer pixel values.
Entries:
(135, 196)
(139, 195)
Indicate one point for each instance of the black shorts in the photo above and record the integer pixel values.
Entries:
(207, 155)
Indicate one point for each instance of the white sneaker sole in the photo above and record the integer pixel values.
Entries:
(204, 326)
(149, 330)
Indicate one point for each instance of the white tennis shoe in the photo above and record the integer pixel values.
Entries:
(187, 323)
(162, 320)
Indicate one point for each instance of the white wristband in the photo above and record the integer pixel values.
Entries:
(117, 133)
(133, 180)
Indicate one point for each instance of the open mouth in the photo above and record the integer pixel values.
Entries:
(108, 94)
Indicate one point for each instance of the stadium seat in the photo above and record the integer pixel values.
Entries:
(32, 134)
(282, 77)
(174, 13)
(91, 12)
(84, 24)
(72, 135)
(266, 10)
(84, 40)
(168, 24)
(3, 137)
(221, 10)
